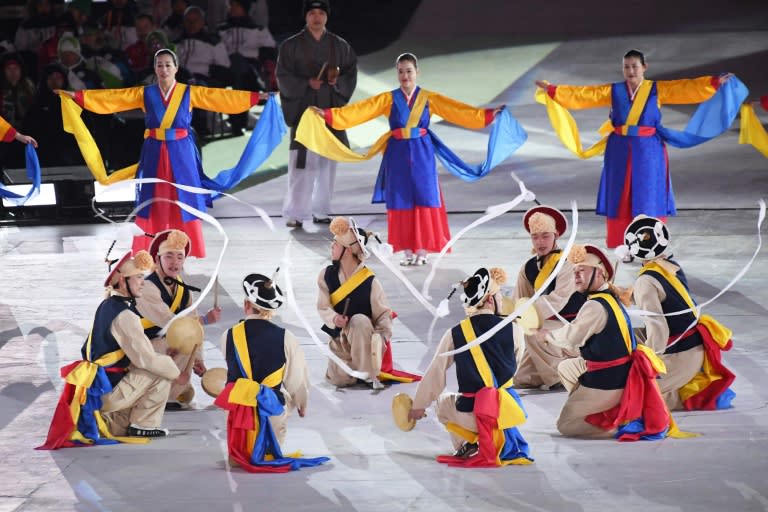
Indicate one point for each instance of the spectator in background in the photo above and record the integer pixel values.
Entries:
(43, 121)
(259, 13)
(16, 96)
(39, 25)
(118, 24)
(248, 46)
(156, 40)
(138, 54)
(17, 92)
(49, 50)
(173, 24)
(78, 74)
(110, 64)
(203, 60)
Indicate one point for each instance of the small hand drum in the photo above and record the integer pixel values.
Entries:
(529, 319)
(401, 406)
(214, 380)
(185, 334)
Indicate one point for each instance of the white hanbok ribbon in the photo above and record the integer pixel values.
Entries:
(639, 313)
(529, 303)
(128, 227)
(291, 298)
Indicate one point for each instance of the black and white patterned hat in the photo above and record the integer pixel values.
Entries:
(263, 292)
(646, 237)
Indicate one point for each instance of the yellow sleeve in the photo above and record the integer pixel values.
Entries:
(109, 101)
(6, 131)
(458, 113)
(226, 101)
(583, 96)
(688, 90)
(341, 118)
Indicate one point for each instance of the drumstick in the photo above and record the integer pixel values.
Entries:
(321, 71)
(191, 360)
(216, 293)
(346, 307)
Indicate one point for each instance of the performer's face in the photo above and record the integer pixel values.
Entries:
(582, 275)
(172, 263)
(634, 70)
(316, 19)
(135, 284)
(406, 75)
(165, 69)
(543, 243)
(336, 250)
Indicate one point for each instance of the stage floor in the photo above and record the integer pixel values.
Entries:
(52, 279)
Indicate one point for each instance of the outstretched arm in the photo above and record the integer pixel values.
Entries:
(578, 96)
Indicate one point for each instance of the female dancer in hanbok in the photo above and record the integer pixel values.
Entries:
(635, 178)
(407, 182)
(169, 152)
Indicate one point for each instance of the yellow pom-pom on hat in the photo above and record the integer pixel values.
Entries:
(130, 265)
(545, 219)
(591, 256)
(498, 278)
(170, 240)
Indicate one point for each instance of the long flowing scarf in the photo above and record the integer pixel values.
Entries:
(752, 131)
(711, 118)
(266, 136)
(33, 174)
(506, 136)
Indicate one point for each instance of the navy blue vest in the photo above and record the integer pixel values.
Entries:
(359, 303)
(606, 345)
(151, 332)
(499, 351)
(577, 299)
(266, 349)
(102, 341)
(677, 323)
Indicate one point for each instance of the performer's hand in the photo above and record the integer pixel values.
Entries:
(543, 84)
(340, 321)
(61, 92)
(199, 367)
(182, 379)
(498, 110)
(541, 335)
(212, 316)
(25, 139)
(301, 411)
(263, 96)
(317, 110)
(416, 414)
(724, 78)
(315, 83)
(171, 352)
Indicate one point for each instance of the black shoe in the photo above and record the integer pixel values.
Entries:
(557, 386)
(293, 223)
(466, 450)
(321, 220)
(174, 406)
(134, 431)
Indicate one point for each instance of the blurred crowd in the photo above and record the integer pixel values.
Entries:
(89, 45)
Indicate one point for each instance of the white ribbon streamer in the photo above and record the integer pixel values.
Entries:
(291, 298)
(697, 309)
(529, 303)
(383, 257)
(194, 211)
(490, 213)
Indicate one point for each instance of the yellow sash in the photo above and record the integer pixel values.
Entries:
(146, 323)
(752, 131)
(674, 282)
(348, 286)
(547, 269)
(510, 413)
(313, 133)
(568, 132)
(245, 390)
(73, 123)
(619, 315)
